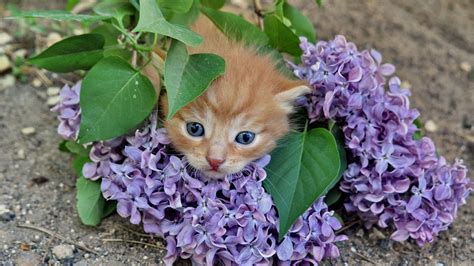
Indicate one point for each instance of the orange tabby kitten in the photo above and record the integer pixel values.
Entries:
(241, 115)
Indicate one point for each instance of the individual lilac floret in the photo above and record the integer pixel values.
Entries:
(69, 111)
(391, 180)
(231, 221)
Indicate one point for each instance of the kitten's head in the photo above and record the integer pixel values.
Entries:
(237, 120)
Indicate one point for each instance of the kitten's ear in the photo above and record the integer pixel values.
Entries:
(287, 97)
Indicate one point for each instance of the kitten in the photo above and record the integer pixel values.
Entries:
(241, 115)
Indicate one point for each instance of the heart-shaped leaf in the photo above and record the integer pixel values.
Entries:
(236, 27)
(302, 169)
(187, 77)
(73, 53)
(114, 99)
(152, 20)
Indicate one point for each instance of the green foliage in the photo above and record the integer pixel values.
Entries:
(175, 6)
(301, 25)
(116, 96)
(73, 53)
(71, 4)
(419, 133)
(90, 204)
(116, 9)
(114, 99)
(303, 168)
(235, 27)
(188, 17)
(215, 4)
(281, 37)
(61, 15)
(188, 76)
(152, 20)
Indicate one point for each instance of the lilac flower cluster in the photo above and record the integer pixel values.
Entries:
(69, 111)
(391, 179)
(231, 221)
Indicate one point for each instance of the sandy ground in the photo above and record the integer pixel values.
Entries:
(428, 41)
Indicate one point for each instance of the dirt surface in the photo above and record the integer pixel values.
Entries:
(430, 42)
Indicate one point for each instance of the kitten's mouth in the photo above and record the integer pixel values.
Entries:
(214, 173)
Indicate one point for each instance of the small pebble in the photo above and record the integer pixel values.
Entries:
(5, 38)
(21, 154)
(36, 83)
(431, 126)
(353, 249)
(63, 251)
(472, 235)
(21, 53)
(145, 257)
(7, 81)
(53, 91)
(53, 38)
(465, 66)
(405, 85)
(87, 255)
(53, 100)
(360, 233)
(4, 63)
(376, 234)
(28, 131)
(439, 264)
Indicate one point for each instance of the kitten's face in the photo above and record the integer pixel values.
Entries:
(222, 131)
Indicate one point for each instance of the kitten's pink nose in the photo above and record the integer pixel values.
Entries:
(214, 163)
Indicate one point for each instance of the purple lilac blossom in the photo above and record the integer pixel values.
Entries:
(392, 179)
(231, 221)
(69, 111)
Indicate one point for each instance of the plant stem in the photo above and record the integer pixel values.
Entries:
(257, 8)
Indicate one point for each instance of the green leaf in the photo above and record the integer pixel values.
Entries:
(152, 20)
(116, 9)
(319, 3)
(114, 99)
(299, 22)
(281, 37)
(189, 17)
(73, 53)
(341, 149)
(71, 4)
(90, 203)
(235, 27)
(176, 6)
(60, 15)
(78, 162)
(332, 196)
(187, 77)
(214, 4)
(109, 32)
(302, 168)
(109, 208)
(419, 133)
(112, 47)
(77, 149)
(62, 146)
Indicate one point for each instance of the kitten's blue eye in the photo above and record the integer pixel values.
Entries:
(245, 137)
(195, 129)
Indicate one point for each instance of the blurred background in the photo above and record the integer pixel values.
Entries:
(430, 42)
